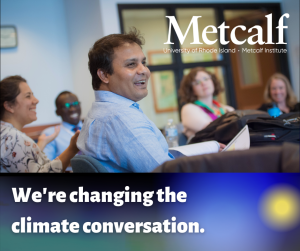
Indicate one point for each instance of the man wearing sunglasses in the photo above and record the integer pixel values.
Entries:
(68, 108)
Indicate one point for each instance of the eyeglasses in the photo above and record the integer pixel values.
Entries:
(198, 82)
(68, 105)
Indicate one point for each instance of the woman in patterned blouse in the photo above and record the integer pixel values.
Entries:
(19, 153)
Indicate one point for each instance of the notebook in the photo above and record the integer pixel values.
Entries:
(240, 142)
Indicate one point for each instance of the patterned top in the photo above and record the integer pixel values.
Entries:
(20, 154)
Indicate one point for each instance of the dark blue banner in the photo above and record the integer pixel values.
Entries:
(209, 212)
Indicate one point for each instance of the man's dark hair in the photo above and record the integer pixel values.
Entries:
(102, 52)
(57, 98)
(9, 90)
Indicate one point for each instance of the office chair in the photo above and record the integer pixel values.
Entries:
(87, 164)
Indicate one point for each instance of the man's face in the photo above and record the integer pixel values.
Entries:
(67, 108)
(130, 73)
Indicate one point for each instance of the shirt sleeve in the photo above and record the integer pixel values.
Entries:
(50, 149)
(21, 154)
(136, 148)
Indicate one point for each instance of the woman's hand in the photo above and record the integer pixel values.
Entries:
(44, 140)
(70, 152)
(73, 147)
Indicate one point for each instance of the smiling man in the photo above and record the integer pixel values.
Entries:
(116, 131)
(68, 108)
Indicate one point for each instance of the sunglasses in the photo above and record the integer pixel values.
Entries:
(68, 105)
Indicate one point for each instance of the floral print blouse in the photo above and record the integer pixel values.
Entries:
(20, 154)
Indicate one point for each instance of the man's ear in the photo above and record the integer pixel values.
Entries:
(103, 76)
(8, 107)
(57, 112)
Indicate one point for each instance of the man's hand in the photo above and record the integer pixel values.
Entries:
(43, 140)
(222, 146)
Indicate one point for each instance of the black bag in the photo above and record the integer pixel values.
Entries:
(226, 127)
(275, 131)
(264, 130)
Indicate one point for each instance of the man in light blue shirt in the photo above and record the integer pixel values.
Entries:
(68, 108)
(116, 131)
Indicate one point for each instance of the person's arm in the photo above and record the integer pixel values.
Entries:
(51, 148)
(46, 138)
(57, 165)
(228, 108)
(193, 118)
(139, 149)
(21, 154)
(70, 152)
(133, 147)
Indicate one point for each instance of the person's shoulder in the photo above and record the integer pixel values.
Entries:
(103, 111)
(264, 107)
(192, 111)
(190, 107)
(296, 107)
(228, 108)
(8, 129)
(10, 133)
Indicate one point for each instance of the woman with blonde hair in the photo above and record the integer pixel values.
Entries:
(197, 91)
(278, 92)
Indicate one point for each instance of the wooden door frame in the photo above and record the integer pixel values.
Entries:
(178, 66)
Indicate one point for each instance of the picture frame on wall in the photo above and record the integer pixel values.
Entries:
(9, 37)
(163, 82)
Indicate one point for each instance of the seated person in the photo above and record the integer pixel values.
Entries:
(68, 108)
(197, 91)
(279, 92)
(116, 131)
(19, 153)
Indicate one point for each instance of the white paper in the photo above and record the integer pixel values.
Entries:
(240, 142)
(198, 148)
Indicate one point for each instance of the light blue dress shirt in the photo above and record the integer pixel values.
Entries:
(119, 134)
(62, 141)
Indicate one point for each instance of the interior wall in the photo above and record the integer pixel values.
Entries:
(110, 15)
(42, 55)
(84, 26)
(292, 37)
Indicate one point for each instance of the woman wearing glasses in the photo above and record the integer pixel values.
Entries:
(197, 91)
(19, 153)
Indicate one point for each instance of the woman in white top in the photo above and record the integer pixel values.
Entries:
(19, 153)
(197, 91)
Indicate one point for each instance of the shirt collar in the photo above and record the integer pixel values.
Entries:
(111, 97)
(6, 124)
(70, 126)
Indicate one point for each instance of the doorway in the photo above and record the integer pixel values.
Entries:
(251, 65)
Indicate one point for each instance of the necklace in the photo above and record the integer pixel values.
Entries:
(217, 104)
